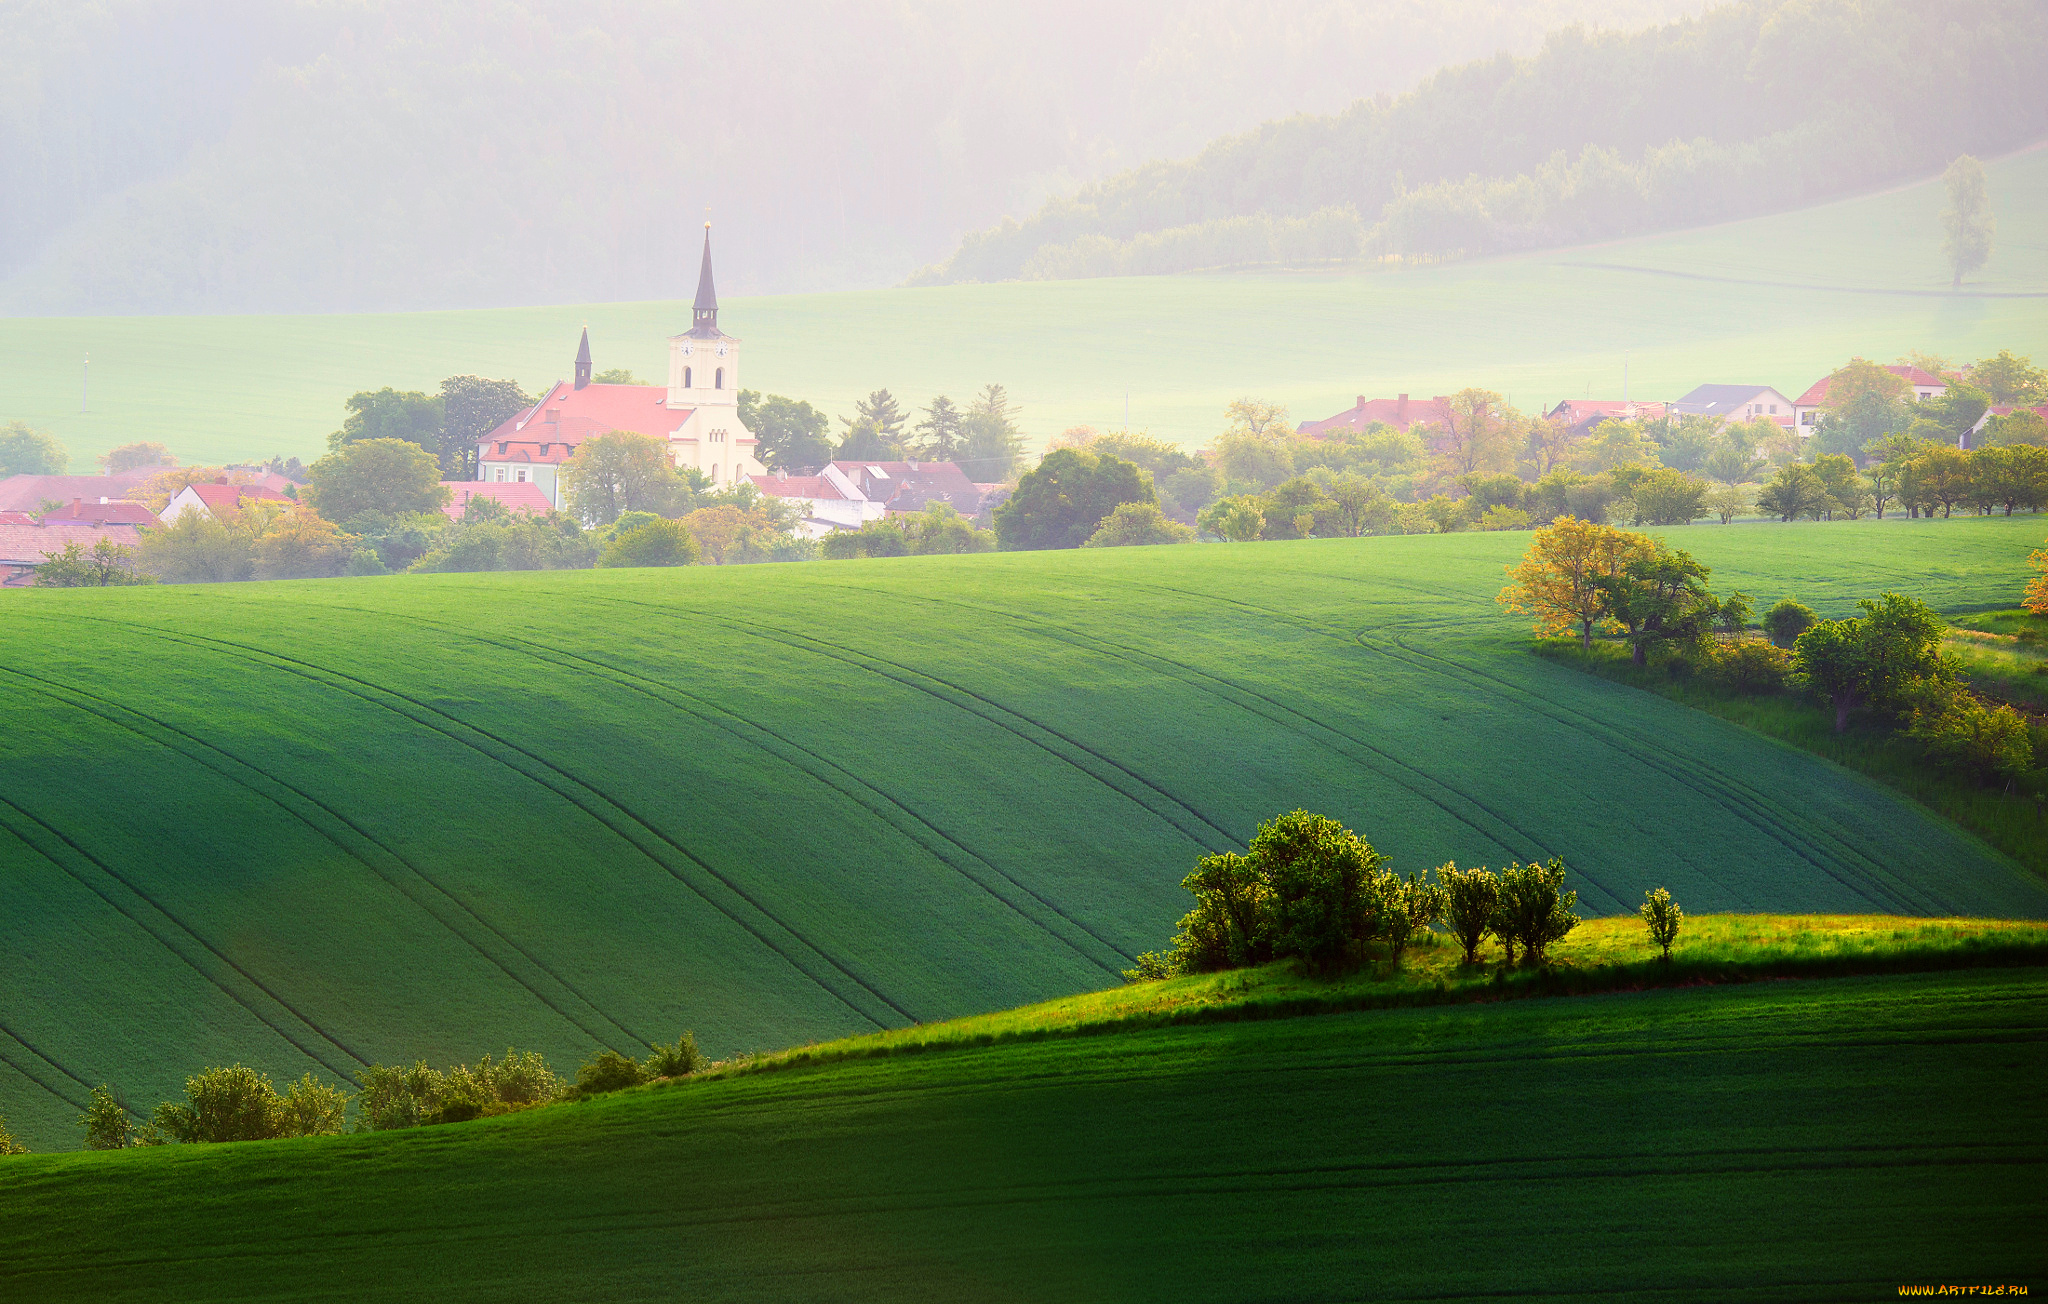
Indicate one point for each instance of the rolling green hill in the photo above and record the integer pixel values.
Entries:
(1778, 1141)
(316, 825)
(1539, 328)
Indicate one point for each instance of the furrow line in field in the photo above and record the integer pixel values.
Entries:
(1742, 800)
(1386, 765)
(633, 1038)
(185, 929)
(46, 1058)
(1755, 806)
(366, 691)
(733, 723)
(858, 658)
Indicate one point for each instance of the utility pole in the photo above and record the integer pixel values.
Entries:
(85, 383)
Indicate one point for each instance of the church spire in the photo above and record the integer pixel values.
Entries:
(583, 360)
(705, 323)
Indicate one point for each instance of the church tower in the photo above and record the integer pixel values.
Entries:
(704, 380)
(583, 360)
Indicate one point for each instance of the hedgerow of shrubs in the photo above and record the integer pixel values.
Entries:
(238, 1103)
(1310, 890)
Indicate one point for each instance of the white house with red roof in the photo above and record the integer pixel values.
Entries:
(1399, 412)
(1806, 409)
(1736, 403)
(1583, 414)
(527, 497)
(848, 495)
(697, 413)
(218, 501)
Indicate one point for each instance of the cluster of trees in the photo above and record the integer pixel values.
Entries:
(1746, 108)
(939, 528)
(1310, 890)
(238, 1103)
(983, 437)
(448, 423)
(1580, 578)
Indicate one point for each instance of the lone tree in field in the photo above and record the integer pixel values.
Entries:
(105, 1121)
(1881, 659)
(1471, 898)
(1660, 598)
(1534, 909)
(1966, 224)
(1559, 580)
(1663, 918)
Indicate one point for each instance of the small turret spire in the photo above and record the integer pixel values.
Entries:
(705, 314)
(583, 360)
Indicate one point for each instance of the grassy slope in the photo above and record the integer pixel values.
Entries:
(1540, 328)
(314, 825)
(1772, 1141)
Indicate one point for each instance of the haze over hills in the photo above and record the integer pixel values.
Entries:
(235, 155)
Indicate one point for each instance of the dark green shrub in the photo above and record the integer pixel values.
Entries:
(1749, 666)
(1787, 620)
(461, 1109)
(1327, 889)
(1989, 739)
(1471, 897)
(1534, 910)
(106, 1121)
(394, 1096)
(608, 1071)
(675, 1061)
(310, 1107)
(230, 1104)
(652, 543)
(1411, 905)
(1230, 926)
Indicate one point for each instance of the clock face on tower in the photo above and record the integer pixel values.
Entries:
(721, 350)
(686, 350)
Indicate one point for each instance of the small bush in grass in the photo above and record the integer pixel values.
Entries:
(608, 1071)
(1471, 897)
(1411, 904)
(1748, 666)
(8, 1145)
(1787, 620)
(674, 1061)
(310, 1107)
(1989, 739)
(231, 1104)
(394, 1096)
(106, 1121)
(1534, 909)
(1663, 918)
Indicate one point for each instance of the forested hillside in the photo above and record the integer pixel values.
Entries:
(310, 155)
(1751, 108)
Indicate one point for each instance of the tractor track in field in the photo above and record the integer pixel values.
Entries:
(46, 1058)
(633, 1038)
(365, 692)
(859, 659)
(1386, 765)
(319, 1033)
(727, 721)
(1752, 806)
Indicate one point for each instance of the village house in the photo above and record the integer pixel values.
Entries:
(28, 493)
(1806, 409)
(1398, 412)
(1581, 415)
(106, 511)
(696, 414)
(1736, 403)
(518, 498)
(216, 501)
(849, 495)
(23, 548)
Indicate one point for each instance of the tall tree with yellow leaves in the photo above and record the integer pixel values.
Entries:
(1558, 579)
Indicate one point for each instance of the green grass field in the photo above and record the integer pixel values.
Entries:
(1774, 1141)
(316, 825)
(1792, 300)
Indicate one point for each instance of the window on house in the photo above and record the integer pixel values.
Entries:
(498, 474)
(1774, 409)
(519, 475)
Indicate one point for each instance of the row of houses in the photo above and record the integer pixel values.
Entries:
(1725, 402)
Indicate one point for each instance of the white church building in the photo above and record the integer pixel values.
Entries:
(696, 413)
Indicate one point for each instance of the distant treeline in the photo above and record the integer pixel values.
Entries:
(1750, 108)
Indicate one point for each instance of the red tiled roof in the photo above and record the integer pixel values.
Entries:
(25, 493)
(797, 486)
(566, 416)
(94, 513)
(1817, 394)
(16, 518)
(1400, 413)
(229, 497)
(25, 545)
(529, 498)
(1592, 411)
